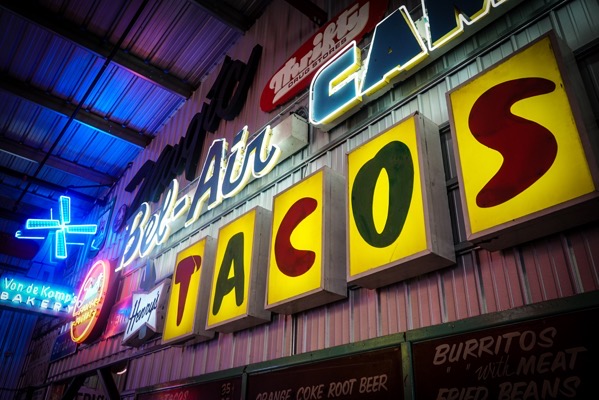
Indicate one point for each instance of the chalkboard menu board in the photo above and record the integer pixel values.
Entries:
(226, 389)
(549, 358)
(375, 375)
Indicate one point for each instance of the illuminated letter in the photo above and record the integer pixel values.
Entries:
(148, 240)
(189, 295)
(259, 154)
(263, 155)
(446, 19)
(306, 266)
(396, 160)
(523, 165)
(225, 283)
(166, 216)
(209, 181)
(135, 235)
(389, 56)
(237, 174)
(398, 217)
(334, 89)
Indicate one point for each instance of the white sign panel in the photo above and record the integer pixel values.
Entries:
(147, 314)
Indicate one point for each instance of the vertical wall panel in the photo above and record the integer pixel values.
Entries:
(339, 322)
(582, 262)
(393, 305)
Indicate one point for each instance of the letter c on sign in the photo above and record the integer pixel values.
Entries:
(291, 261)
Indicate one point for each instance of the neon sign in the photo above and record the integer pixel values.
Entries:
(60, 227)
(36, 296)
(93, 303)
(344, 83)
(227, 95)
(223, 176)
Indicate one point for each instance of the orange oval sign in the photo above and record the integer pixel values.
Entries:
(90, 302)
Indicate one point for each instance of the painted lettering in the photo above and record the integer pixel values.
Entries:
(494, 125)
(291, 261)
(395, 159)
(226, 283)
(184, 271)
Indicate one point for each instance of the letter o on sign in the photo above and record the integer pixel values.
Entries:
(396, 160)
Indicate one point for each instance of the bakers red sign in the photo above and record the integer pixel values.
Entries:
(297, 72)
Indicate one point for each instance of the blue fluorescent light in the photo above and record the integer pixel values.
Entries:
(61, 227)
(61, 244)
(42, 224)
(65, 209)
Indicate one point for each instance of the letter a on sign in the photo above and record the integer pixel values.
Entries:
(521, 151)
(238, 281)
(395, 187)
(190, 292)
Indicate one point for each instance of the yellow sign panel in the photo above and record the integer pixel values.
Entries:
(186, 312)
(237, 290)
(517, 143)
(295, 266)
(306, 252)
(386, 210)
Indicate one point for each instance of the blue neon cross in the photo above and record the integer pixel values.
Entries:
(62, 227)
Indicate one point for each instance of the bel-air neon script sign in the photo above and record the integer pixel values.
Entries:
(344, 83)
(224, 174)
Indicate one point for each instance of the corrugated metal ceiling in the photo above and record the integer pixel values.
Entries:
(84, 87)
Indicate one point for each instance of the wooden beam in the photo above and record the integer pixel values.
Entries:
(226, 14)
(310, 10)
(36, 201)
(107, 382)
(60, 106)
(75, 34)
(37, 156)
(50, 185)
(8, 215)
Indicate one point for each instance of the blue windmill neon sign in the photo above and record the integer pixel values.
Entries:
(61, 228)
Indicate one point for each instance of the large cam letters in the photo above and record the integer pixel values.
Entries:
(341, 85)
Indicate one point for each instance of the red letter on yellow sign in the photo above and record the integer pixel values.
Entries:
(520, 154)
(307, 245)
(190, 289)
